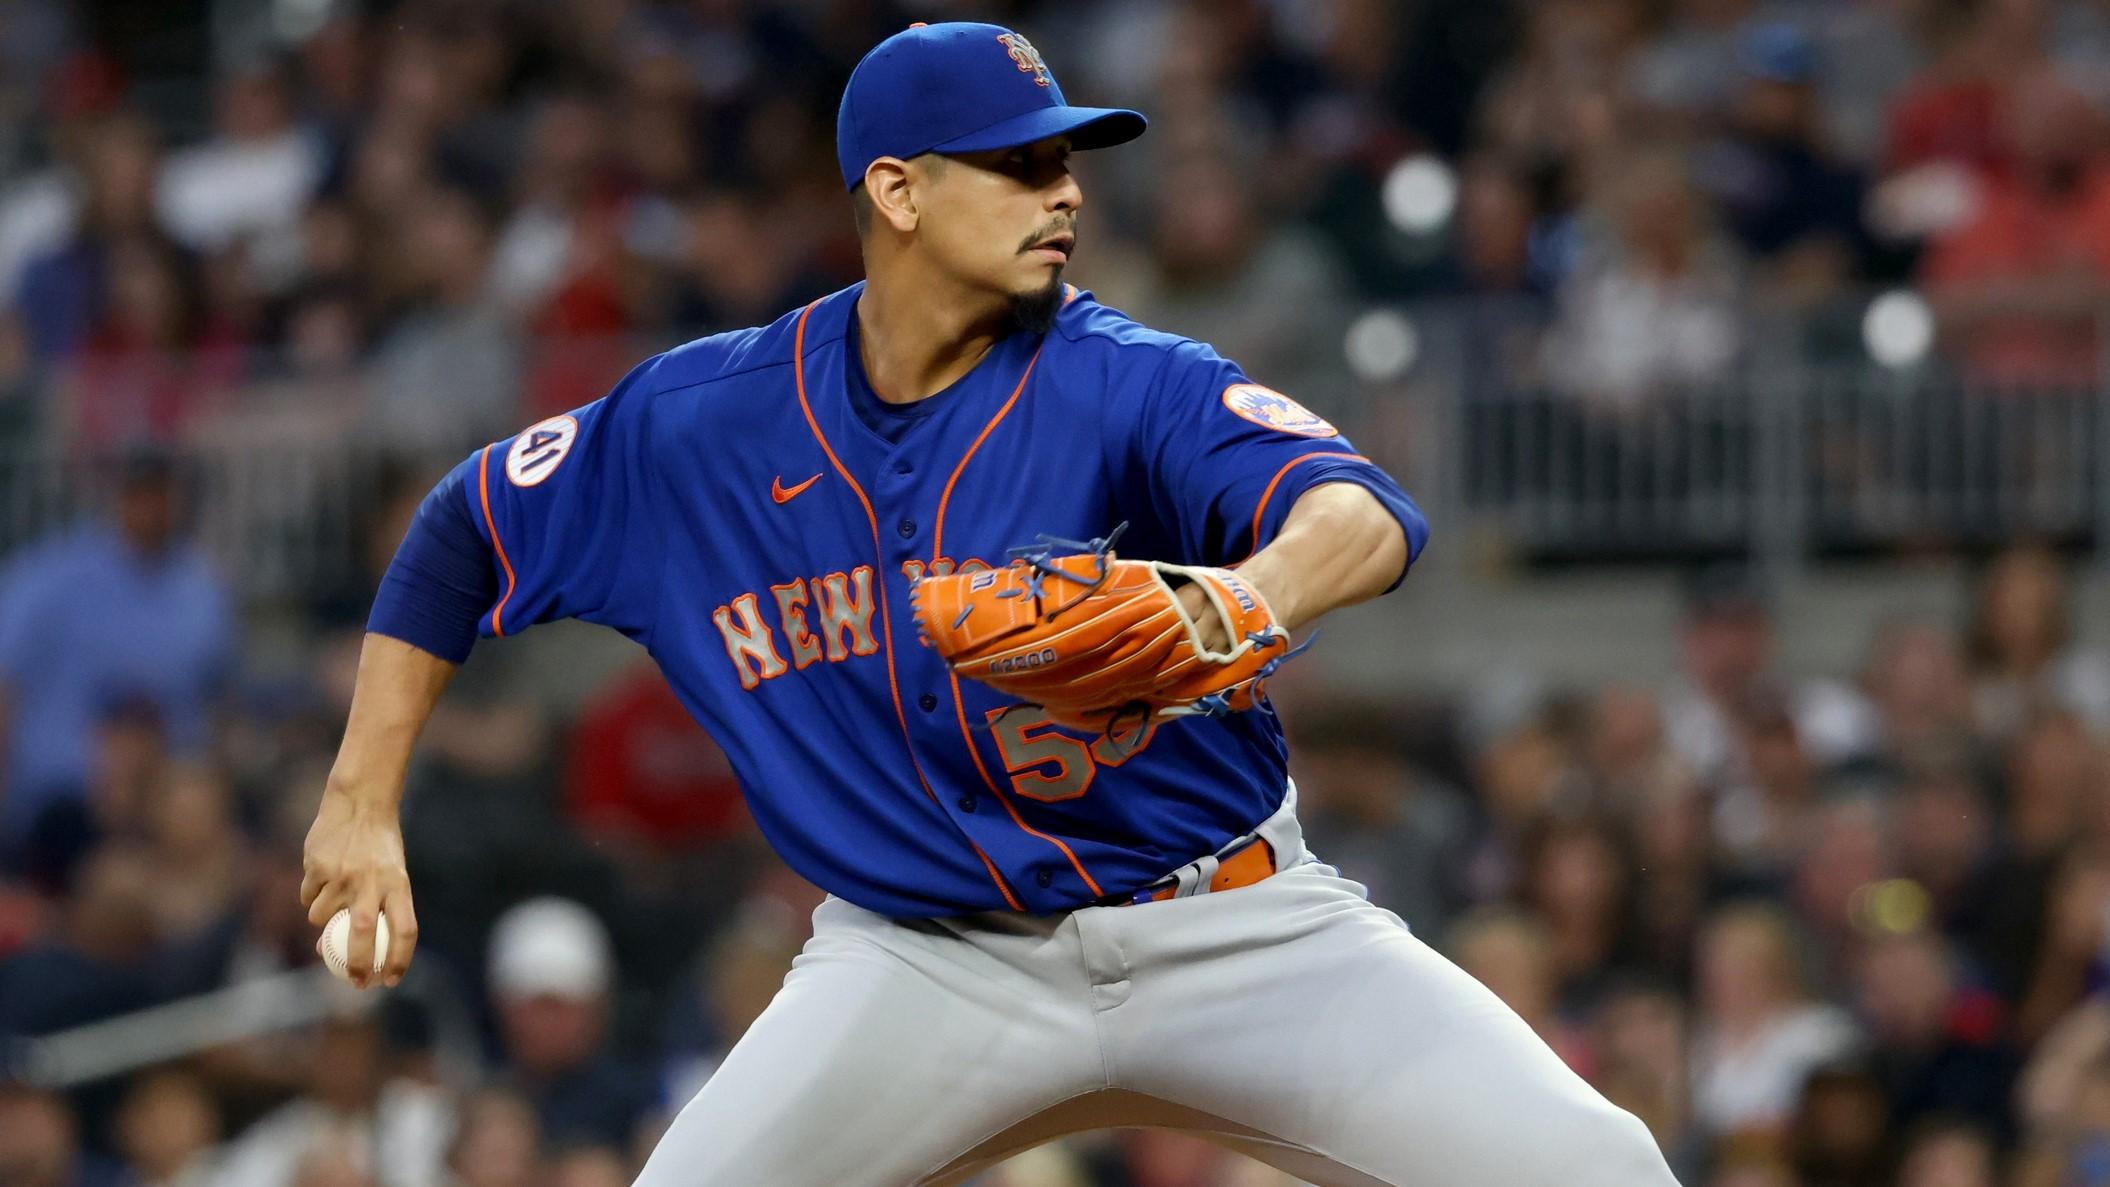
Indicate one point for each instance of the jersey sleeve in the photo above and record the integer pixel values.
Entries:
(571, 512)
(1226, 458)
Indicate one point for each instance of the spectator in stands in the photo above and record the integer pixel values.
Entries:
(167, 1130)
(2023, 657)
(334, 1161)
(1840, 1135)
(196, 852)
(2063, 1099)
(1498, 219)
(497, 1143)
(251, 180)
(552, 978)
(644, 775)
(1795, 210)
(62, 292)
(1668, 829)
(1753, 1166)
(1849, 851)
(1947, 1153)
(1650, 312)
(1937, 1046)
(155, 364)
(1690, 69)
(563, 184)
(2069, 957)
(1765, 816)
(2054, 780)
(1910, 710)
(1626, 749)
(448, 373)
(2011, 915)
(1953, 113)
(122, 607)
(1726, 660)
(98, 964)
(589, 1166)
(2018, 284)
(1556, 104)
(1759, 1032)
(1227, 273)
(1944, 828)
(390, 1128)
(1578, 876)
(1367, 810)
(729, 269)
(40, 1143)
(128, 762)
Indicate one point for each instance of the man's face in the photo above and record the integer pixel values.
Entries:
(1003, 220)
(547, 1034)
(146, 514)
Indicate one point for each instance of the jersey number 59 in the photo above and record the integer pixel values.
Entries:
(1046, 764)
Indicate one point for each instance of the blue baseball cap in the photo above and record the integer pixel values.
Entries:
(961, 87)
(1777, 51)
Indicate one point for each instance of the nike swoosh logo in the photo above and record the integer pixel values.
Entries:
(781, 495)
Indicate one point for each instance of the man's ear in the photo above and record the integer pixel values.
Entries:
(893, 191)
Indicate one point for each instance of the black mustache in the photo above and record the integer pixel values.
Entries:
(1042, 236)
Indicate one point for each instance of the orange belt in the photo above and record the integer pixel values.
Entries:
(1251, 862)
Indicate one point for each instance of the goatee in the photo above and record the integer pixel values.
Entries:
(1035, 312)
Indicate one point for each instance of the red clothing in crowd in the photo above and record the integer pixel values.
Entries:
(2020, 234)
(641, 767)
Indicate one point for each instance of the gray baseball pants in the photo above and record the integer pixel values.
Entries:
(1290, 1020)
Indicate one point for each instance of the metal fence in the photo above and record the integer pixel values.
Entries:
(1778, 457)
(1783, 457)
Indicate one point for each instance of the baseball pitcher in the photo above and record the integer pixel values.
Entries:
(978, 582)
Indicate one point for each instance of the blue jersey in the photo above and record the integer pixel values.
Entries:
(730, 507)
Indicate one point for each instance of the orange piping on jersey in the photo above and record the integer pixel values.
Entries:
(1261, 511)
(937, 549)
(960, 709)
(937, 536)
(798, 375)
(483, 491)
(1069, 293)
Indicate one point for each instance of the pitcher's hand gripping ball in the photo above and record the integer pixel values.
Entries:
(335, 946)
(1098, 641)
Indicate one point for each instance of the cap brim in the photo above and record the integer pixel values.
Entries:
(1087, 127)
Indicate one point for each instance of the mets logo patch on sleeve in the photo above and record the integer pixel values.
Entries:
(540, 449)
(1267, 407)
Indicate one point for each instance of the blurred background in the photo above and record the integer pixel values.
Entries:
(1745, 727)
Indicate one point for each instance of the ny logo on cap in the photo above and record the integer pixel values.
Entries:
(1028, 59)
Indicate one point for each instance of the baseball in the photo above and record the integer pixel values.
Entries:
(337, 942)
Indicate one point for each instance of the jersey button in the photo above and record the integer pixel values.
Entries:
(967, 803)
(907, 528)
(926, 702)
(1044, 877)
(904, 466)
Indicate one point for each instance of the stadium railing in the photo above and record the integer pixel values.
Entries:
(1786, 454)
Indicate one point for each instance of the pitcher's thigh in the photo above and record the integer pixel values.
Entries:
(861, 1073)
(1353, 1045)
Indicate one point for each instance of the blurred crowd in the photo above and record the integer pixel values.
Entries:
(252, 221)
(1853, 933)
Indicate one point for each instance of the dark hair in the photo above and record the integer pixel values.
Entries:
(1980, 649)
(861, 209)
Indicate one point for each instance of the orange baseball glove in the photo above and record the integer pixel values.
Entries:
(1096, 640)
